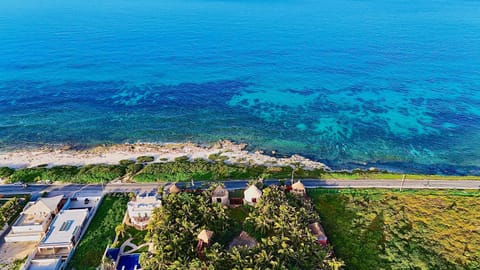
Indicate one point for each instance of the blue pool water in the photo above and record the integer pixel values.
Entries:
(395, 84)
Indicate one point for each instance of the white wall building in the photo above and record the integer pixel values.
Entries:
(251, 195)
(63, 234)
(220, 195)
(33, 222)
(45, 264)
(140, 210)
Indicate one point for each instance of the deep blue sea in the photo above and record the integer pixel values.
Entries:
(392, 84)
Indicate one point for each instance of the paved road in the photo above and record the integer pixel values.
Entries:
(69, 189)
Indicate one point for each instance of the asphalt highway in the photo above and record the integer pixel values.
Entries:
(69, 189)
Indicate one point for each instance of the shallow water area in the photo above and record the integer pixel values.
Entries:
(393, 84)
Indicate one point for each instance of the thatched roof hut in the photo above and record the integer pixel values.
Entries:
(205, 236)
(243, 240)
(172, 189)
(298, 188)
(220, 195)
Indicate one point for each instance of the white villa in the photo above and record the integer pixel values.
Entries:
(34, 220)
(63, 234)
(140, 210)
(251, 195)
(220, 195)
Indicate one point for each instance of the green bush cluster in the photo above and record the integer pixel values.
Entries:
(10, 210)
(145, 159)
(71, 174)
(199, 169)
(5, 172)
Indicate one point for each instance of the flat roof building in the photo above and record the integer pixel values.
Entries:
(45, 264)
(63, 234)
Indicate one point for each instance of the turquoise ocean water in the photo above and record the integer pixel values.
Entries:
(393, 84)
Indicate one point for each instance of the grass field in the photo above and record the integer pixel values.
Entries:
(393, 176)
(100, 233)
(379, 229)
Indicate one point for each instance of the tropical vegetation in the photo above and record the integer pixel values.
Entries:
(379, 229)
(278, 223)
(184, 169)
(10, 209)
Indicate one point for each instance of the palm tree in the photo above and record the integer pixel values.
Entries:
(120, 230)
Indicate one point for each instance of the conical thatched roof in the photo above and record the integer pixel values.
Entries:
(205, 236)
(174, 189)
(298, 186)
(219, 191)
(243, 240)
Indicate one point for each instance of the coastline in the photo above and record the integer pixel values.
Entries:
(232, 153)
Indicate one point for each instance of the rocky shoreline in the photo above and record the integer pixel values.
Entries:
(228, 151)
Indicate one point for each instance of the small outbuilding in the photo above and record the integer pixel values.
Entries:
(251, 195)
(299, 189)
(172, 189)
(205, 236)
(204, 239)
(244, 240)
(220, 195)
(319, 233)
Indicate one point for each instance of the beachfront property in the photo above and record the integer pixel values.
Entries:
(140, 210)
(63, 234)
(220, 195)
(33, 222)
(251, 195)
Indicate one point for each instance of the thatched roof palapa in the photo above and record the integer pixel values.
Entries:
(205, 236)
(173, 189)
(219, 191)
(298, 186)
(243, 240)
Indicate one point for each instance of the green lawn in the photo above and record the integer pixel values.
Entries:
(138, 236)
(380, 229)
(100, 233)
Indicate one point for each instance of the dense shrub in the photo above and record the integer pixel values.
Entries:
(28, 175)
(10, 210)
(99, 173)
(61, 173)
(6, 172)
(145, 159)
(126, 162)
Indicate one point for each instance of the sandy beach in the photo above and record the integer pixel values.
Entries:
(112, 154)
